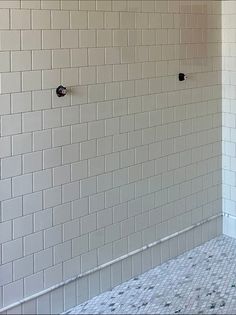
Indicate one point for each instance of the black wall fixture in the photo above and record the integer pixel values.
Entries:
(182, 77)
(61, 91)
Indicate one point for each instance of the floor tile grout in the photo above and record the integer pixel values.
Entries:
(201, 281)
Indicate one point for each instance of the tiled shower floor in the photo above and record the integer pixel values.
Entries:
(201, 281)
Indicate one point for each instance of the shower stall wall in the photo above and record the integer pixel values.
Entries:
(125, 171)
(229, 116)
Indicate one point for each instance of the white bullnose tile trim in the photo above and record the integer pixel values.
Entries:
(140, 250)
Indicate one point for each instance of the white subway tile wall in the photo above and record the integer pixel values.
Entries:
(228, 116)
(130, 156)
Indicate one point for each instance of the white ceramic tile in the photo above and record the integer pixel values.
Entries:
(103, 163)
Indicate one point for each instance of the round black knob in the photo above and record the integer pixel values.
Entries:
(61, 91)
(182, 77)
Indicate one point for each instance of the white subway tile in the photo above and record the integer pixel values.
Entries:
(111, 20)
(78, 20)
(104, 5)
(11, 167)
(41, 59)
(96, 166)
(6, 232)
(5, 61)
(95, 20)
(62, 252)
(20, 102)
(96, 129)
(87, 5)
(31, 39)
(104, 38)
(104, 74)
(87, 75)
(30, 4)
(12, 4)
(41, 19)
(70, 191)
(43, 259)
(87, 38)
(112, 55)
(5, 147)
(57, 295)
(80, 245)
(10, 124)
(22, 185)
(5, 104)
(22, 143)
(52, 197)
(79, 57)
(60, 19)
(61, 214)
(41, 100)
(52, 275)
(11, 208)
(70, 5)
(51, 118)
(5, 19)
(42, 140)
(52, 158)
(96, 56)
(10, 82)
(96, 93)
(13, 292)
(79, 133)
(6, 272)
(32, 202)
(53, 236)
(50, 4)
(33, 243)
(88, 186)
(33, 284)
(50, 39)
(10, 40)
(61, 58)
(22, 267)
(12, 250)
(71, 269)
(88, 149)
(43, 304)
(127, 20)
(61, 175)
(20, 19)
(71, 230)
(50, 78)
(70, 153)
(69, 39)
(97, 202)
(32, 121)
(31, 80)
(61, 136)
(70, 76)
(32, 162)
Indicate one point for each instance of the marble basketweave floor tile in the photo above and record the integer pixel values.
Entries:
(201, 281)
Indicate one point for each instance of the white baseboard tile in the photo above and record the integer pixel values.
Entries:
(76, 291)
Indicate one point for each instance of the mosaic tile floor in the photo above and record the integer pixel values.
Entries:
(201, 281)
